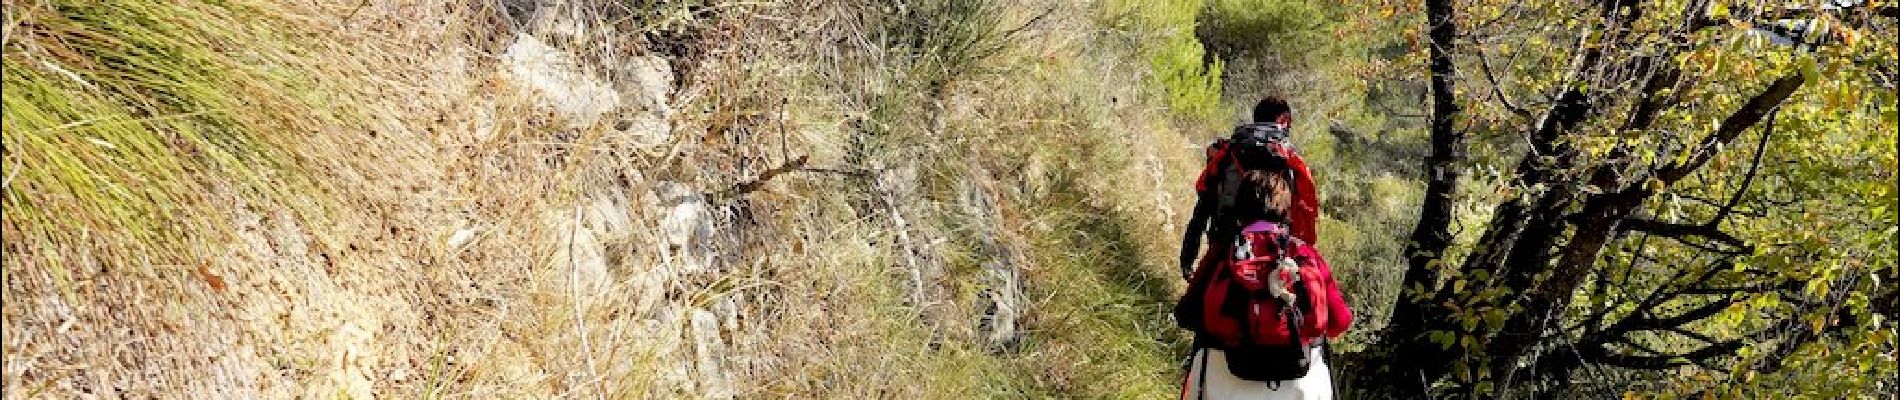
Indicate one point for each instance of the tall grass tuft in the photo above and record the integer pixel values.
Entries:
(121, 117)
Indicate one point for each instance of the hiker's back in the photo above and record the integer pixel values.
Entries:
(1261, 299)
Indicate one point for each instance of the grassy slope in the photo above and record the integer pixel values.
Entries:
(301, 250)
(1078, 172)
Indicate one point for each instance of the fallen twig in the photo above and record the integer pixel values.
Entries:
(743, 188)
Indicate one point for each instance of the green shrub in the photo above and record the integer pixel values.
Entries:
(1193, 86)
(1236, 27)
(1180, 66)
(940, 40)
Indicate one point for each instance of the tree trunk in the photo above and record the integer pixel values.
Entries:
(1537, 248)
(1413, 361)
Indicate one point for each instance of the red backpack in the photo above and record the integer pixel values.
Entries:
(1266, 304)
(1225, 157)
(1216, 213)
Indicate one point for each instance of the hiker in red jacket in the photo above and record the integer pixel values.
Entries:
(1303, 214)
(1262, 302)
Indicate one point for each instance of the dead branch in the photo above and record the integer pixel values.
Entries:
(743, 188)
(1484, 66)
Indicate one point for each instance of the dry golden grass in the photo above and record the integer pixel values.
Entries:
(404, 218)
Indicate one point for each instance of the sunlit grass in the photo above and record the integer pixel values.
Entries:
(121, 120)
(141, 135)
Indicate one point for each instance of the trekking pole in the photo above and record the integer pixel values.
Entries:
(1200, 388)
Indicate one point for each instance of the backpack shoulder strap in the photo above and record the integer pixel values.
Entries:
(1218, 145)
(1216, 157)
(1204, 206)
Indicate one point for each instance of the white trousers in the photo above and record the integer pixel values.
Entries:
(1222, 385)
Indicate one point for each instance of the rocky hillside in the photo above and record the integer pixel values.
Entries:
(406, 199)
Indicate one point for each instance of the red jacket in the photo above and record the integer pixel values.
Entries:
(1305, 212)
(1304, 215)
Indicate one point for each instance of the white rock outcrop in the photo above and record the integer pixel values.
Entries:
(709, 350)
(558, 81)
(687, 228)
(647, 83)
(586, 232)
(628, 96)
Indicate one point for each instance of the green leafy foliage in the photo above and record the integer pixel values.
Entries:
(1178, 63)
(1288, 27)
(1757, 179)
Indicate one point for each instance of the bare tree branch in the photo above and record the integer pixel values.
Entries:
(1664, 295)
(1698, 336)
(1743, 118)
(1718, 204)
(1661, 360)
(1497, 90)
(1753, 166)
(1679, 231)
(1699, 313)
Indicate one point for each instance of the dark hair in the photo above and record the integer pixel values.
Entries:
(1270, 109)
(1264, 195)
